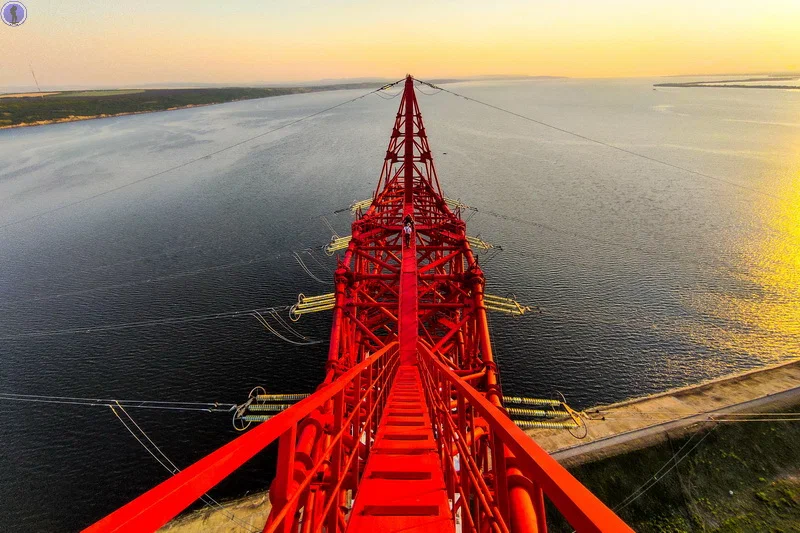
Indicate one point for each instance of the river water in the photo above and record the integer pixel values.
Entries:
(648, 277)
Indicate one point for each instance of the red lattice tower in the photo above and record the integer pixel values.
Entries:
(407, 432)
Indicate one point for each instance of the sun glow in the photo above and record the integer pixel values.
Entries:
(73, 42)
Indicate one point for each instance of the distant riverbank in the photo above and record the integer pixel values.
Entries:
(76, 118)
(18, 110)
(36, 109)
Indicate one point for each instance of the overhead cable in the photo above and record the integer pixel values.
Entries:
(208, 407)
(609, 145)
(194, 160)
(142, 323)
(167, 463)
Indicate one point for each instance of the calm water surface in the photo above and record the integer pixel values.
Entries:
(648, 278)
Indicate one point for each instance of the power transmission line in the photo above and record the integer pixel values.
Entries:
(609, 145)
(191, 161)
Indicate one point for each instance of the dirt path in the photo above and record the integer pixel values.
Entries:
(640, 422)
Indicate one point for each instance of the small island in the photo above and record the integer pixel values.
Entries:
(747, 83)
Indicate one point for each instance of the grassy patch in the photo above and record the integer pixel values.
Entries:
(743, 477)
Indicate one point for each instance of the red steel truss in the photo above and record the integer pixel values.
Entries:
(408, 431)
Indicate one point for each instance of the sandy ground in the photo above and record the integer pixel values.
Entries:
(25, 95)
(246, 514)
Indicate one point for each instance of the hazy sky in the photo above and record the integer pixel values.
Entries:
(127, 42)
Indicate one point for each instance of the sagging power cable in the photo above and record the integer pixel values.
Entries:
(107, 266)
(196, 159)
(419, 85)
(674, 255)
(261, 259)
(305, 341)
(142, 323)
(672, 463)
(716, 416)
(208, 407)
(389, 97)
(162, 459)
(305, 268)
(121, 405)
(609, 145)
(278, 318)
(329, 226)
(156, 279)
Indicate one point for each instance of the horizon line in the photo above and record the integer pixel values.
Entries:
(360, 80)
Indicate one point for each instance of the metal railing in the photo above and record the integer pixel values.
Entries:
(486, 458)
(347, 411)
(311, 485)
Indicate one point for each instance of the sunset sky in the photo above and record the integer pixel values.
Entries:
(125, 42)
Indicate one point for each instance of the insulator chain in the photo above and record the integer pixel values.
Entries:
(452, 203)
(311, 304)
(552, 414)
(336, 244)
(505, 305)
(261, 406)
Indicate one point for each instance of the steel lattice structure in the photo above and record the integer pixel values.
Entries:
(407, 431)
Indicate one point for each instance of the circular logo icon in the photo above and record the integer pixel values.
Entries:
(14, 13)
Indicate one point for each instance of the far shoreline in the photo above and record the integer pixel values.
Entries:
(77, 106)
(734, 84)
(25, 110)
(82, 118)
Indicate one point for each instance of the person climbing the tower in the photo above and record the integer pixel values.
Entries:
(407, 231)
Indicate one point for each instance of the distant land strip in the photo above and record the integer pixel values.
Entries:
(35, 109)
(736, 84)
(51, 107)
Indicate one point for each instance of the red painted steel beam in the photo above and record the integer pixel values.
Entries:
(582, 509)
(160, 504)
(408, 140)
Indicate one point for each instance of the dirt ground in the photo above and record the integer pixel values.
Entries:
(246, 514)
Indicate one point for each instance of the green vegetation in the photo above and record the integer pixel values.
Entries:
(70, 105)
(759, 462)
